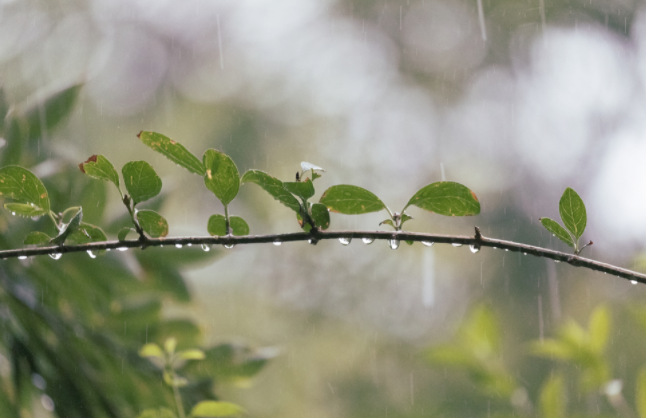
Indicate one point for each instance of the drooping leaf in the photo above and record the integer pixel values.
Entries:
(36, 238)
(216, 409)
(302, 189)
(157, 413)
(99, 167)
(351, 200)
(123, 233)
(222, 177)
(640, 395)
(141, 181)
(68, 228)
(321, 216)
(446, 198)
(173, 150)
(239, 226)
(23, 186)
(572, 211)
(152, 223)
(23, 209)
(557, 230)
(552, 398)
(273, 186)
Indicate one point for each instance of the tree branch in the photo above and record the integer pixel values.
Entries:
(477, 241)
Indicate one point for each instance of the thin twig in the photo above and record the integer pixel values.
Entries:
(478, 241)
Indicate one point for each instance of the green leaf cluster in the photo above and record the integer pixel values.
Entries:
(574, 217)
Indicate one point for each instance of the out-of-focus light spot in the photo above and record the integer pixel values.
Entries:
(47, 402)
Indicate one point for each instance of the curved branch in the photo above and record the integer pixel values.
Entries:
(477, 241)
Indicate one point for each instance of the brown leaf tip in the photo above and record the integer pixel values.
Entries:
(139, 134)
(474, 195)
(92, 159)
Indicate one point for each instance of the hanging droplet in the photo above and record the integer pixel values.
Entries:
(474, 248)
(229, 246)
(345, 240)
(428, 243)
(91, 254)
(189, 244)
(178, 245)
(278, 243)
(393, 243)
(633, 281)
(506, 249)
(122, 249)
(56, 256)
(524, 253)
(22, 257)
(13, 213)
(557, 261)
(368, 241)
(206, 247)
(312, 241)
(456, 244)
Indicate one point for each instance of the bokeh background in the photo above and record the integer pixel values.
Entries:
(515, 99)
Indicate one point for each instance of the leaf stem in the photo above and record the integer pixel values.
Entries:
(51, 216)
(226, 220)
(178, 397)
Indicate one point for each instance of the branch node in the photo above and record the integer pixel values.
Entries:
(478, 235)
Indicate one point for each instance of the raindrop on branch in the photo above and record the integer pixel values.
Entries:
(428, 243)
(474, 248)
(456, 244)
(345, 240)
(368, 241)
(205, 247)
(91, 254)
(178, 245)
(633, 281)
(122, 249)
(393, 243)
(56, 256)
(278, 243)
(229, 246)
(22, 257)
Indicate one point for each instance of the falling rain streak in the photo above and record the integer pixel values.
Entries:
(481, 19)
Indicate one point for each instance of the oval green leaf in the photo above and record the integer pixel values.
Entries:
(123, 233)
(222, 177)
(572, 211)
(351, 200)
(214, 409)
(36, 238)
(152, 223)
(557, 230)
(446, 198)
(273, 186)
(151, 350)
(23, 209)
(99, 167)
(23, 186)
(321, 216)
(217, 226)
(239, 226)
(173, 150)
(191, 354)
(141, 181)
(302, 189)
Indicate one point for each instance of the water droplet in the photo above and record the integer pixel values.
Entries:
(524, 253)
(456, 244)
(91, 254)
(368, 241)
(178, 245)
(557, 261)
(506, 249)
(189, 244)
(312, 241)
(278, 242)
(122, 249)
(13, 213)
(22, 257)
(633, 281)
(495, 248)
(56, 256)
(474, 248)
(206, 247)
(229, 246)
(345, 240)
(394, 243)
(428, 243)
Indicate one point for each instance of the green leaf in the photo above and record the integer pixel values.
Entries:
(572, 211)
(87, 233)
(173, 150)
(351, 200)
(557, 230)
(68, 228)
(141, 181)
(640, 395)
(170, 344)
(123, 233)
(191, 354)
(321, 216)
(216, 409)
(157, 413)
(302, 189)
(152, 223)
(222, 177)
(404, 218)
(387, 222)
(36, 238)
(446, 198)
(23, 186)
(410, 242)
(306, 226)
(151, 350)
(552, 398)
(23, 209)
(599, 329)
(98, 167)
(273, 186)
(217, 226)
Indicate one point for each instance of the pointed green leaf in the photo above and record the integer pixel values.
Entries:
(23, 209)
(151, 350)
(214, 409)
(192, 354)
(351, 200)
(173, 150)
(302, 189)
(552, 398)
(446, 198)
(239, 226)
(557, 230)
(23, 186)
(141, 181)
(37, 238)
(387, 222)
(68, 229)
(321, 216)
(152, 223)
(410, 242)
(157, 413)
(99, 167)
(572, 211)
(640, 395)
(404, 218)
(222, 177)
(217, 225)
(123, 233)
(273, 186)
(599, 329)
